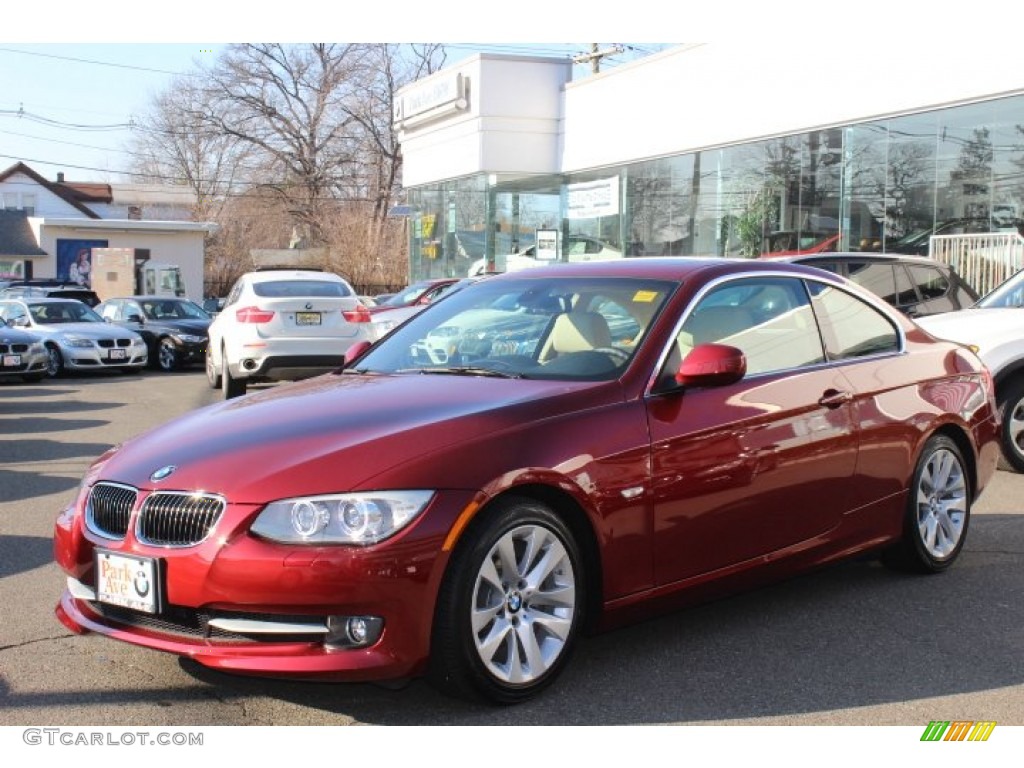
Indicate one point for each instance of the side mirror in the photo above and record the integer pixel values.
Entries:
(712, 365)
(133, 318)
(20, 322)
(355, 352)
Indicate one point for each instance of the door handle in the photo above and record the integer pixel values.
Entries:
(833, 398)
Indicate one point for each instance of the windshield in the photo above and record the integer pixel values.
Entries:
(63, 312)
(545, 328)
(166, 309)
(406, 295)
(1009, 294)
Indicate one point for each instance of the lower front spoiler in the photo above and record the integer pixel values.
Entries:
(305, 659)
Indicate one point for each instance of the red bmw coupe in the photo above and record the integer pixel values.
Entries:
(545, 453)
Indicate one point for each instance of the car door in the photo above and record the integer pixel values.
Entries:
(866, 346)
(749, 469)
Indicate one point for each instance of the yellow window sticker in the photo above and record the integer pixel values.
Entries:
(645, 297)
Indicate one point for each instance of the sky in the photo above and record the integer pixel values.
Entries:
(69, 93)
(70, 88)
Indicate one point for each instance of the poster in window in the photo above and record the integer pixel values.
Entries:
(74, 260)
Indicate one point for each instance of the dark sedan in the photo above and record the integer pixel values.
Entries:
(542, 453)
(175, 330)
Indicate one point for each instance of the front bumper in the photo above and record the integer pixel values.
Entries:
(234, 579)
(95, 358)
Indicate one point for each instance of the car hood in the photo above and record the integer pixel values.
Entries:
(10, 335)
(92, 330)
(338, 432)
(193, 327)
(984, 328)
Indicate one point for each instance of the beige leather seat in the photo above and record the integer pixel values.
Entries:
(576, 332)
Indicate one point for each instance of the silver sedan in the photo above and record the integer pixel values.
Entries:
(76, 338)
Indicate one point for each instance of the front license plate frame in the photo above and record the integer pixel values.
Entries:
(118, 354)
(12, 361)
(128, 581)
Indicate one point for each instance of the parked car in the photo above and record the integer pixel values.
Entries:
(22, 354)
(281, 325)
(75, 337)
(212, 305)
(468, 516)
(915, 285)
(385, 319)
(418, 294)
(175, 330)
(798, 243)
(994, 327)
(918, 241)
(579, 248)
(50, 289)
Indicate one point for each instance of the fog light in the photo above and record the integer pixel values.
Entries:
(353, 631)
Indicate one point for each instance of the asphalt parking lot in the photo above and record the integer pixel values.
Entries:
(851, 645)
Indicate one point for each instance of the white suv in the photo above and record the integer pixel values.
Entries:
(995, 328)
(283, 325)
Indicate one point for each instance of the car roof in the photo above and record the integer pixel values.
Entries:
(674, 268)
(905, 258)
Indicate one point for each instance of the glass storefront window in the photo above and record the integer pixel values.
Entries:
(885, 185)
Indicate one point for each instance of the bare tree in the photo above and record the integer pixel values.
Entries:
(170, 146)
(288, 104)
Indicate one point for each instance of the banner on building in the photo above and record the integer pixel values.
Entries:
(590, 199)
(74, 260)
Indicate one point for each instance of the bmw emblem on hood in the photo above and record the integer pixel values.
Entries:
(163, 473)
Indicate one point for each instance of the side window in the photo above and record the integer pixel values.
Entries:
(233, 295)
(931, 283)
(851, 327)
(905, 293)
(110, 310)
(769, 319)
(877, 278)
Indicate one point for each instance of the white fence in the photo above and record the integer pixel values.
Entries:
(983, 260)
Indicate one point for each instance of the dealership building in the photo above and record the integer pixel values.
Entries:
(710, 149)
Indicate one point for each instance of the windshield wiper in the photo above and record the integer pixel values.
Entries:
(467, 370)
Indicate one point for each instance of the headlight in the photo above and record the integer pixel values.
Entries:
(350, 518)
(189, 339)
(78, 341)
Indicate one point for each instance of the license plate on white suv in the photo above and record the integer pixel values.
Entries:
(307, 318)
(128, 581)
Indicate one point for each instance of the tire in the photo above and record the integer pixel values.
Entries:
(212, 373)
(230, 387)
(505, 639)
(167, 356)
(938, 511)
(1011, 426)
(54, 362)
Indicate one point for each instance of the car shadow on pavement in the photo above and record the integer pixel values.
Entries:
(852, 635)
(24, 553)
(17, 486)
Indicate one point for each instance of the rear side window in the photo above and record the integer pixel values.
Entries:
(851, 327)
(931, 283)
(280, 289)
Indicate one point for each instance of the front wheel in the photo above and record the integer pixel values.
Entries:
(938, 511)
(230, 387)
(54, 362)
(212, 372)
(1011, 422)
(167, 356)
(510, 607)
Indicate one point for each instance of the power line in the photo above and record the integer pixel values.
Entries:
(98, 63)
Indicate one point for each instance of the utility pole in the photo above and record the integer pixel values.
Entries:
(595, 56)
